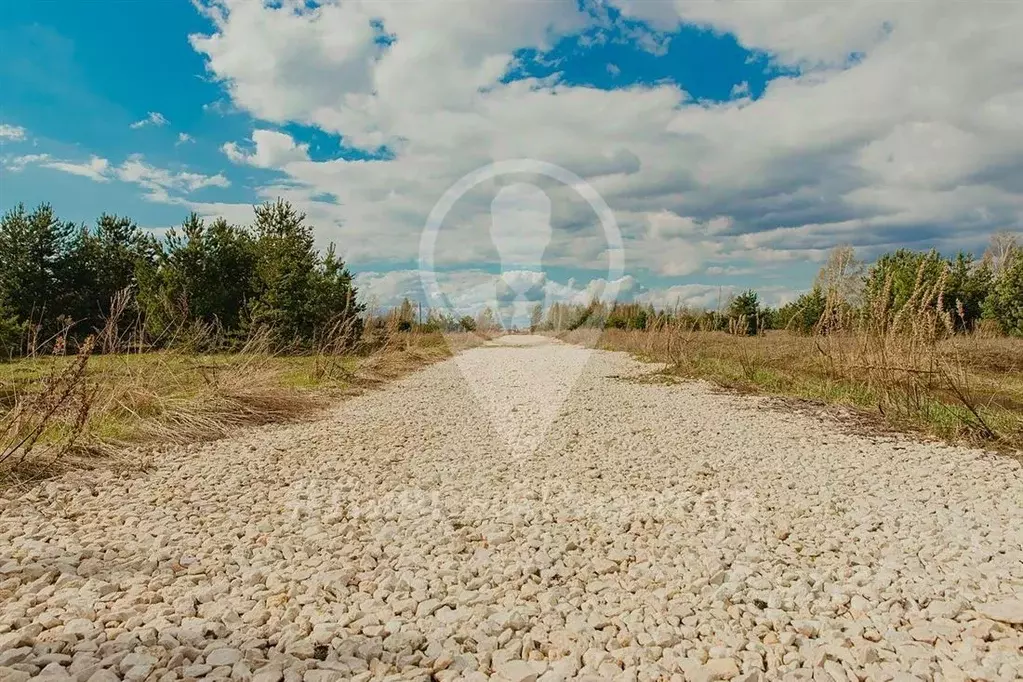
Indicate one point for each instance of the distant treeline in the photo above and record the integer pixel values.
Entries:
(968, 293)
(61, 281)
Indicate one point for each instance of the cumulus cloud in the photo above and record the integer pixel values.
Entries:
(184, 138)
(893, 124)
(11, 132)
(271, 149)
(153, 118)
(160, 182)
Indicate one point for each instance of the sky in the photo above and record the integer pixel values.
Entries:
(731, 143)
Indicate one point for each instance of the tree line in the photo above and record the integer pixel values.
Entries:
(218, 284)
(61, 281)
(970, 293)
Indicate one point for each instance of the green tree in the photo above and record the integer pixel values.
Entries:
(404, 316)
(744, 313)
(486, 320)
(536, 317)
(966, 288)
(36, 251)
(334, 304)
(1004, 303)
(283, 275)
(296, 292)
(203, 273)
(803, 314)
(628, 316)
(896, 276)
(110, 259)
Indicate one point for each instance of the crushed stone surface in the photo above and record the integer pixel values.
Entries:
(526, 511)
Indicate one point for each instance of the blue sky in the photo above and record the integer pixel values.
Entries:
(735, 143)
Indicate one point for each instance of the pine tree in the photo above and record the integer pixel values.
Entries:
(744, 312)
(36, 251)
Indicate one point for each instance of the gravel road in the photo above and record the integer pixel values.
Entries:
(526, 511)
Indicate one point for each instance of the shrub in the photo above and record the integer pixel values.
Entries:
(803, 314)
(1004, 304)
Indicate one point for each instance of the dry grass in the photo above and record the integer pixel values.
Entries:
(911, 366)
(961, 388)
(58, 413)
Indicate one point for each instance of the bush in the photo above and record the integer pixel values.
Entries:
(629, 316)
(1004, 304)
(965, 284)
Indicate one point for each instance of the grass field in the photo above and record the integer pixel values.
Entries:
(64, 412)
(962, 389)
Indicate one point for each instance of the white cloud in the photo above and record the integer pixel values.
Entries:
(159, 182)
(95, 168)
(710, 296)
(154, 118)
(468, 292)
(667, 225)
(272, 150)
(792, 30)
(11, 132)
(184, 138)
(16, 164)
(326, 65)
(914, 139)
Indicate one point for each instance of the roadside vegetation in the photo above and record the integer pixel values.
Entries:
(111, 338)
(919, 341)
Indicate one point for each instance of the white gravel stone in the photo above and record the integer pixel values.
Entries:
(79, 626)
(526, 511)
(516, 671)
(1006, 611)
(221, 657)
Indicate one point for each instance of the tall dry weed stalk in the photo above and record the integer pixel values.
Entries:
(908, 356)
(340, 340)
(64, 398)
(750, 352)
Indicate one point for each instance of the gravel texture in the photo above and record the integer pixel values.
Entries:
(526, 511)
